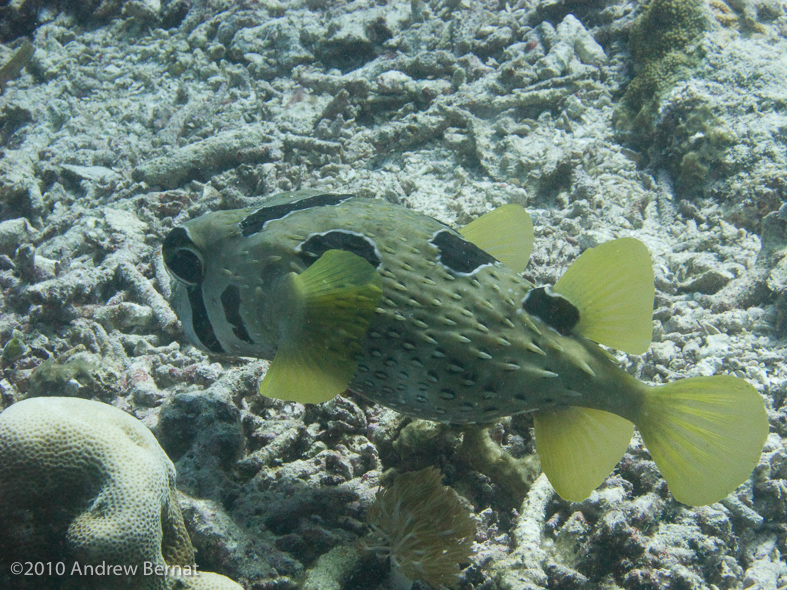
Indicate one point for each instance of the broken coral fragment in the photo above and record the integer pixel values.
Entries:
(11, 69)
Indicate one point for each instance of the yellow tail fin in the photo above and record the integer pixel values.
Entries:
(705, 434)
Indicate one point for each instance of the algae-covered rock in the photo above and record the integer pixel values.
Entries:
(333, 569)
(667, 26)
(661, 46)
(79, 373)
(14, 348)
(693, 138)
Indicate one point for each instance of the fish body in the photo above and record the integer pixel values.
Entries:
(346, 292)
(446, 344)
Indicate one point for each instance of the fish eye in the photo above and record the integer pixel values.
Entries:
(183, 260)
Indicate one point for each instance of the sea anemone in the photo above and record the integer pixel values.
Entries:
(423, 527)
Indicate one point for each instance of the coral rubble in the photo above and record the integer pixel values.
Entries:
(663, 120)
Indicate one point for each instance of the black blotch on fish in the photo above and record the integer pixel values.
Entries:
(554, 309)
(257, 220)
(318, 244)
(459, 255)
(203, 329)
(230, 301)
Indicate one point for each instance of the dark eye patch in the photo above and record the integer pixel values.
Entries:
(230, 301)
(184, 262)
(318, 244)
(181, 258)
(187, 266)
(554, 309)
(255, 222)
(459, 255)
(200, 321)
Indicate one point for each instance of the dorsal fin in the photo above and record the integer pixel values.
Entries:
(612, 287)
(579, 448)
(506, 233)
(326, 312)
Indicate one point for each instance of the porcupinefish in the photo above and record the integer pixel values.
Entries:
(352, 293)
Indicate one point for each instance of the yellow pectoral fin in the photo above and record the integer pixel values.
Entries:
(612, 287)
(705, 434)
(328, 309)
(579, 448)
(506, 233)
(299, 377)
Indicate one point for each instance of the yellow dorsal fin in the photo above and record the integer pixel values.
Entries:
(612, 287)
(506, 233)
(326, 312)
(705, 434)
(579, 448)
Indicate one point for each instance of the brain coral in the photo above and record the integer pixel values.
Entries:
(84, 484)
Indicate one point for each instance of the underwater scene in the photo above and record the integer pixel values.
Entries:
(393, 294)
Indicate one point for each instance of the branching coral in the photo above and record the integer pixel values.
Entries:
(423, 527)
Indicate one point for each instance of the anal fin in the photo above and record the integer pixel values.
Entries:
(579, 448)
(506, 233)
(326, 312)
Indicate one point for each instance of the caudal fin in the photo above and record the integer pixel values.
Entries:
(705, 434)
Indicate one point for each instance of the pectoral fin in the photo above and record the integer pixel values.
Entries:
(326, 313)
(506, 233)
(579, 448)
